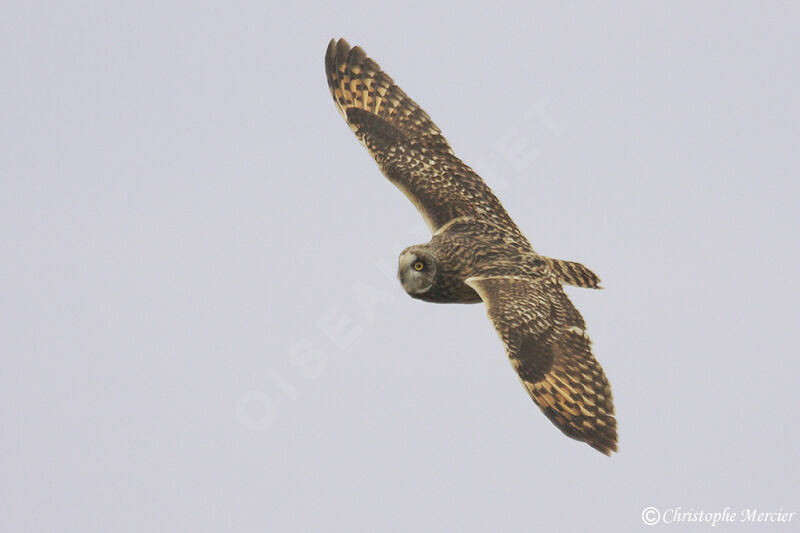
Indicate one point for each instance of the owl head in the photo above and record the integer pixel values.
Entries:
(417, 270)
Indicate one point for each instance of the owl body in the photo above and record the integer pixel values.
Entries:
(467, 249)
(477, 253)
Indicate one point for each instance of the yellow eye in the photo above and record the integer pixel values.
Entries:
(418, 266)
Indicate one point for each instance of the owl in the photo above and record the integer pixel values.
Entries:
(477, 253)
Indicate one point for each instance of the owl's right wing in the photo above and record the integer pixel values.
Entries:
(407, 145)
(547, 344)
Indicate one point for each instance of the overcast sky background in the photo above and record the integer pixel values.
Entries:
(200, 324)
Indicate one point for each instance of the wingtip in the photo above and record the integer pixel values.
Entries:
(336, 48)
(604, 446)
(330, 56)
(339, 52)
(342, 48)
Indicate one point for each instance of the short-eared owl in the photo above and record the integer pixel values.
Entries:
(477, 253)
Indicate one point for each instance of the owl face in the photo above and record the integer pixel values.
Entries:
(417, 271)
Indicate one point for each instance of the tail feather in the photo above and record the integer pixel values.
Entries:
(573, 273)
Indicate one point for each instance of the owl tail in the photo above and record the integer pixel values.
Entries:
(573, 273)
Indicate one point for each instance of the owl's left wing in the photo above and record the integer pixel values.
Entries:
(408, 147)
(546, 342)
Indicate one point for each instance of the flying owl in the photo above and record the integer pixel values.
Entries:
(477, 253)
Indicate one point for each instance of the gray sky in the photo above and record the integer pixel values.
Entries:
(200, 324)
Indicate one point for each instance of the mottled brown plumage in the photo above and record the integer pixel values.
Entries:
(477, 253)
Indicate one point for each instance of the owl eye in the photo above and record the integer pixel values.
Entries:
(418, 266)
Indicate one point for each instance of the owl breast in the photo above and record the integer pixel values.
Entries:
(448, 289)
